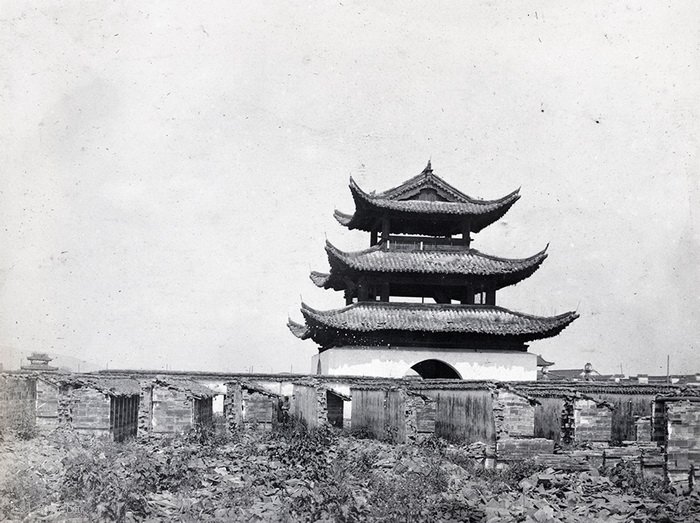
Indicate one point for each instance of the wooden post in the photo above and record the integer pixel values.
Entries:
(385, 228)
(373, 238)
(491, 297)
(385, 292)
(466, 230)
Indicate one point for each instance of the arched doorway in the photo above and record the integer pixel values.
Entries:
(436, 369)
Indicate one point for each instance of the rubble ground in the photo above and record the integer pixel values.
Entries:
(295, 475)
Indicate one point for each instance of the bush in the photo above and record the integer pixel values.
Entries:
(23, 425)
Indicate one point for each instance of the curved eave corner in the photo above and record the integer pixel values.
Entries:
(343, 218)
(320, 279)
(300, 331)
(563, 321)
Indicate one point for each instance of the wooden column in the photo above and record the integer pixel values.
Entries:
(385, 228)
(384, 296)
(466, 230)
(373, 238)
(491, 297)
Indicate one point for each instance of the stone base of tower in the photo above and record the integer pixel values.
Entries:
(396, 362)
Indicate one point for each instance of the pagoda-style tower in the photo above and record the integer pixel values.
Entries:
(420, 247)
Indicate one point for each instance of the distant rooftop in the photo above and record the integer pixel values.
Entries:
(39, 361)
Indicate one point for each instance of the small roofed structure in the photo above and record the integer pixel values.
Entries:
(175, 405)
(39, 362)
(98, 405)
(249, 406)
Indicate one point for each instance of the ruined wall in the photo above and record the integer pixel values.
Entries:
(17, 401)
(172, 410)
(548, 420)
(250, 409)
(309, 405)
(643, 430)
(514, 415)
(369, 412)
(46, 405)
(628, 408)
(592, 422)
(683, 441)
(464, 415)
(145, 414)
(85, 410)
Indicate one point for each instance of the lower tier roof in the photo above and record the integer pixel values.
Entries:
(467, 265)
(363, 321)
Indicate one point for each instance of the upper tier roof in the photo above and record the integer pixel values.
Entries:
(410, 213)
(382, 317)
(467, 263)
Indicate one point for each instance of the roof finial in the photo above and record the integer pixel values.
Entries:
(428, 168)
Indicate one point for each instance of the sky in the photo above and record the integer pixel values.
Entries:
(169, 170)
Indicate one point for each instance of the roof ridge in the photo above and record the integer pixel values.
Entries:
(468, 199)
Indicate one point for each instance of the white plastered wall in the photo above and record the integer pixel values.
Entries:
(396, 362)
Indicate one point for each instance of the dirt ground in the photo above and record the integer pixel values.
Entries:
(292, 475)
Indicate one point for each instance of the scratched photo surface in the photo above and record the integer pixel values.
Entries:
(169, 170)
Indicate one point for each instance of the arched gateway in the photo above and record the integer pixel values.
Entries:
(435, 369)
(419, 249)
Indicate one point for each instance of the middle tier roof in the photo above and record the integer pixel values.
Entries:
(467, 266)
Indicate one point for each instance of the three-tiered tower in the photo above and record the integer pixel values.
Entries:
(420, 235)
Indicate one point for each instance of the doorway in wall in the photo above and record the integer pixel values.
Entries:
(436, 369)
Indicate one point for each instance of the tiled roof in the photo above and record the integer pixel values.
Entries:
(469, 207)
(188, 386)
(426, 179)
(436, 318)
(466, 262)
(110, 386)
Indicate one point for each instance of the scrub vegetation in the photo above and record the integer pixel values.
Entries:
(298, 475)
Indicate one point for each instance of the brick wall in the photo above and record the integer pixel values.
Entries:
(514, 416)
(17, 401)
(643, 429)
(683, 441)
(145, 414)
(592, 422)
(85, 410)
(248, 408)
(627, 409)
(172, 410)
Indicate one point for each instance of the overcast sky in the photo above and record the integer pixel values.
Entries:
(169, 170)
